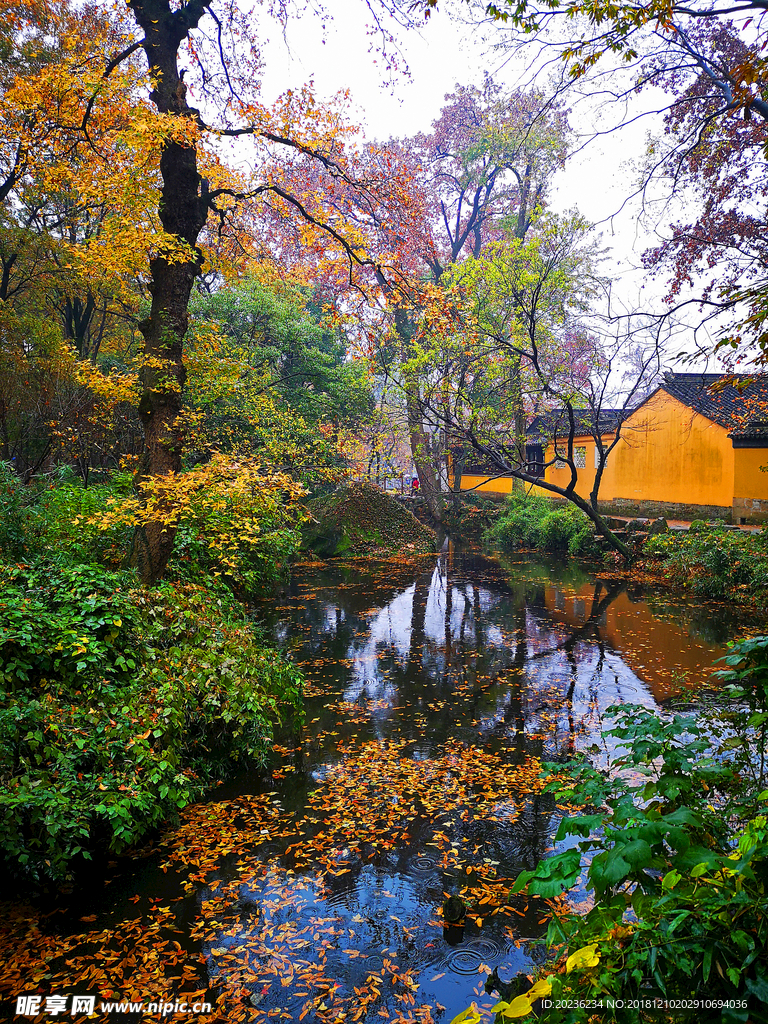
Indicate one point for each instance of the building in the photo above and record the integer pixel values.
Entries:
(694, 448)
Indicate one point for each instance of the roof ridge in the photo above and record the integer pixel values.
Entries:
(673, 374)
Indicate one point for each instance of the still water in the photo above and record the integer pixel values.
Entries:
(435, 688)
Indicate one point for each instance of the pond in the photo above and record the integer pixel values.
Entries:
(435, 687)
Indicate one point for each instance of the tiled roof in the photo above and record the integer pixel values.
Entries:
(737, 401)
(556, 422)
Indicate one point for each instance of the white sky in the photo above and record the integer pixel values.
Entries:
(596, 181)
(440, 55)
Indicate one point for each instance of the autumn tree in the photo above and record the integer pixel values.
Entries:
(59, 285)
(529, 333)
(163, 54)
(484, 169)
(715, 249)
(652, 39)
(709, 61)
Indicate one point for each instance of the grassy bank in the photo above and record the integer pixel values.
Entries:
(360, 519)
(712, 561)
(543, 524)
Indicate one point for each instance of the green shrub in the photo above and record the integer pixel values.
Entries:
(713, 561)
(675, 839)
(61, 522)
(65, 626)
(533, 521)
(120, 706)
(53, 516)
(12, 513)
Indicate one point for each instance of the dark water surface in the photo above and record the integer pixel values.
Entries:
(417, 662)
(434, 688)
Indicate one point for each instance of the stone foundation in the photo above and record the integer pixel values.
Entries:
(668, 509)
(750, 510)
(747, 511)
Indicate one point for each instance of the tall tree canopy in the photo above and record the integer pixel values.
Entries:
(482, 173)
(139, 111)
(715, 171)
(710, 61)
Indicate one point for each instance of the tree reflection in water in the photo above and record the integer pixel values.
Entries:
(438, 662)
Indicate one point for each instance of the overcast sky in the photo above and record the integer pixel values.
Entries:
(596, 181)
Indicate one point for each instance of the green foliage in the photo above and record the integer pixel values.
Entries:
(676, 843)
(54, 516)
(533, 521)
(361, 519)
(120, 706)
(713, 561)
(269, 378)
(746, 713)
(64, 625)
(243, 537)
(12, 538)
(60, 522)
(287, 334)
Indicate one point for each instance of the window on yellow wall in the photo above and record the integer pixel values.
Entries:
(579, 458)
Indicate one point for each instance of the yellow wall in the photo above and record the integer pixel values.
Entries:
(501, 485)
(585, 477)
(748, 481)
(670, 453)
(667, 453)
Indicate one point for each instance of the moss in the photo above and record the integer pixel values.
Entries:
(360, 519)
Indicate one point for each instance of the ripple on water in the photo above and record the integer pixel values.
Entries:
(487, 948)
(467, 958)
(373, 963)
(268, 850)
(463, 961)
(422, 865)
(385, 912)
(277, 998)
(342, 898)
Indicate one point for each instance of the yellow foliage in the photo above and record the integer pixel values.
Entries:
(234, 504)
(468, 1016)
(587, 956)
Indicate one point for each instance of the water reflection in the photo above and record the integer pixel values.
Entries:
(527, 654)
(434, 686)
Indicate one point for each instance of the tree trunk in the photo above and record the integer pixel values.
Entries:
(458, 461)
(429, 481)
(183, 212)
(518, 487)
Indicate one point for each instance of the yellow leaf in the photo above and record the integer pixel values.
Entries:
(468, 1016)
(519, 1007)
(542, 988)
(587, 956)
